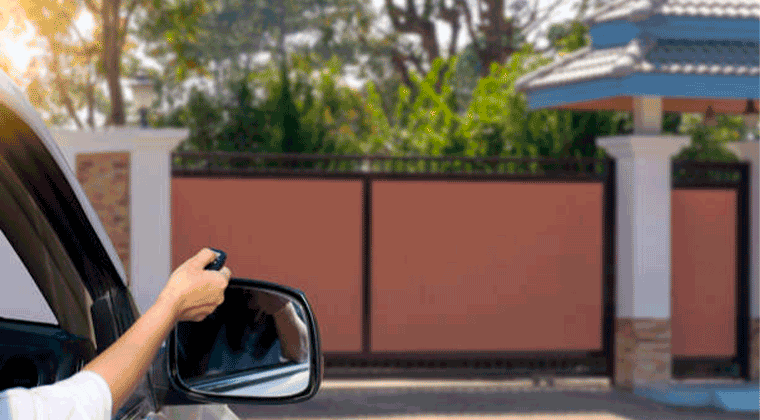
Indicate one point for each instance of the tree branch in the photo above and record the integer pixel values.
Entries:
(534, 21)
(450, 15)
(398, 63)
(123, 30)
(92, 7)
(413, 24)
(468, 20)
(411, 9)
(63, 91)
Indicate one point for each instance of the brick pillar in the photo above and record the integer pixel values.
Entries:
(105, 179)
(643, 325)
(142, 180)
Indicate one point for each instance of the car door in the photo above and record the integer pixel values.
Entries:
(58, 239)
(62, 256)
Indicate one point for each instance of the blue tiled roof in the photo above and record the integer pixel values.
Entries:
(641, 9)
(642, 56)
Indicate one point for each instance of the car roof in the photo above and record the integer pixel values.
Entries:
(14, 100)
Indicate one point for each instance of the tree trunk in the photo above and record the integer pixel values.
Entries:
(111, 59)
(90, 97)
(281, 35)
(63, 91)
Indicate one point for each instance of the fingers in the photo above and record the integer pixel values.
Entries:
(198, 292)
(199, 313)
(203, 257)
(226, 275)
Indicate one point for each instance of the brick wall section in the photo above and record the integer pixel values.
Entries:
(642, 351)
(105, 179)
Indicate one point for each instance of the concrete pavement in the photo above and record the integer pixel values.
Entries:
(503, 400)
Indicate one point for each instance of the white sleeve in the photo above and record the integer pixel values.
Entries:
(84, 396)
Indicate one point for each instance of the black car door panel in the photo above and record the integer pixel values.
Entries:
(38, 354)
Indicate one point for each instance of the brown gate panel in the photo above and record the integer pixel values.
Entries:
(486, 266)
(305, 234)
(704, 272)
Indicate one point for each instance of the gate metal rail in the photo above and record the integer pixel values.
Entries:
(241, 164)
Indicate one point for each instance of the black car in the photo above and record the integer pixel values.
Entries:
(64, 298)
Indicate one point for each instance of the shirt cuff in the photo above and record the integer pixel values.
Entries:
(86, 393)
(100, 386)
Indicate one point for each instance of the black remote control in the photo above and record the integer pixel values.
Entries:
(218, 262)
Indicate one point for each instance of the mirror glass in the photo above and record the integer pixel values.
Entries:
(255, 344)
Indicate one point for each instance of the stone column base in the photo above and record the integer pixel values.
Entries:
(754, 348)
(642, 351)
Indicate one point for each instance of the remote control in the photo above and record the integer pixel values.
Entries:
(218, 262)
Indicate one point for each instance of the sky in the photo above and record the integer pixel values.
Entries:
(15, 48)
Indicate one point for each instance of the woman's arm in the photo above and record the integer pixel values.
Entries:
(191, 294)
(294, 337)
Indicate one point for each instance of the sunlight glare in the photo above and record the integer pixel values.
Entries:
(15, 48)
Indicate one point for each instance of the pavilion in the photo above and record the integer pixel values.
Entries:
(651, 57)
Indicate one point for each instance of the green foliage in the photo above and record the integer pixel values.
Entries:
(301, 108)
(173, 29)
(496, 122)
(296, 110)
(708, 143)
(569, 36)
(202, 116)
(245, 127)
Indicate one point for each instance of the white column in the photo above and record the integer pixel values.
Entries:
(750, 151)
(151, 215)
(643, 245)
(150, 197)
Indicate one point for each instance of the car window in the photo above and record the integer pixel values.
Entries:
(21, 299)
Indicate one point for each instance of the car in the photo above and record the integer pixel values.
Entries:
(64, 298)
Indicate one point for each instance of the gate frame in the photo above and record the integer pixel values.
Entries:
(598, 363)
(697, 175)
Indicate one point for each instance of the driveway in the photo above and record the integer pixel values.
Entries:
(420, 400)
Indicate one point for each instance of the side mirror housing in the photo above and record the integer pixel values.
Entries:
(261, 345)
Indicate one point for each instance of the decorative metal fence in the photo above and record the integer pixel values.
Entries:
(717, 174)
(220, 163)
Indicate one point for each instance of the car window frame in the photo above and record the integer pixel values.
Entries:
(59, 204)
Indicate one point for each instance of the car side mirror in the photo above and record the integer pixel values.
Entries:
(261, 344)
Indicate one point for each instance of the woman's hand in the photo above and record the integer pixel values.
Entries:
(192, 292)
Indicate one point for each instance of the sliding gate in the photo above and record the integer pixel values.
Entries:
(496, 266)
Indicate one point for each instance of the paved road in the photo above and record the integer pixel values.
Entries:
(371, 400)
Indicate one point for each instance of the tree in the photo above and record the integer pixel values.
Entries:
(72, 55)
(293, 109)
(497, 29)
(113, 20)
(64, 76)
(227, 39)
(707, 143)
